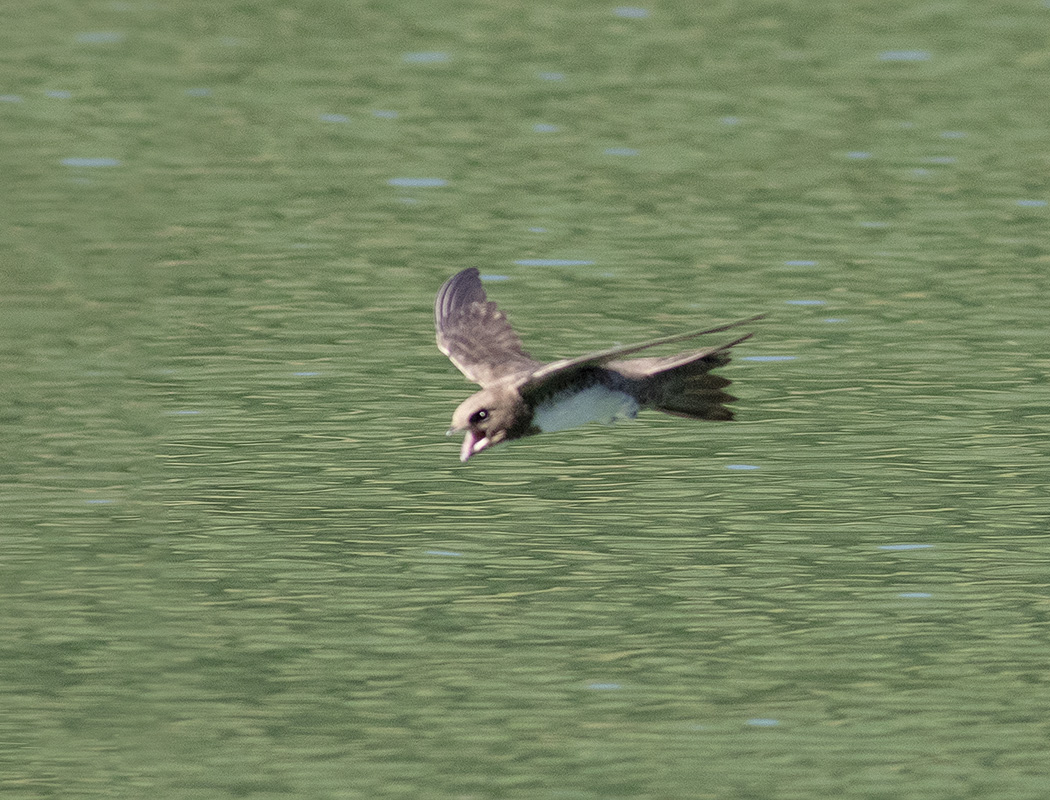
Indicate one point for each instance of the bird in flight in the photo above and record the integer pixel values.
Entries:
(523, 397)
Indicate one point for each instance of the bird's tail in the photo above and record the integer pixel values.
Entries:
(692, 391)
(684, 386)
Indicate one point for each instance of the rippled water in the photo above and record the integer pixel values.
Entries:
(241, 558)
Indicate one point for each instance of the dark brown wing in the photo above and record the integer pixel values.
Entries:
(555, 369)
(475, 334)
(716, 356)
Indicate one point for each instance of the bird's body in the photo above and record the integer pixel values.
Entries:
(523, 397)
(572, 408)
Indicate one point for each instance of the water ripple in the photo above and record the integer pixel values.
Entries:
(91, 162)
(418, 183)
(552, 262)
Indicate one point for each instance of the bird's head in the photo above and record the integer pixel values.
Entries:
(491, 416)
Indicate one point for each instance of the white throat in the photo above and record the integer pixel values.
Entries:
(571, 409)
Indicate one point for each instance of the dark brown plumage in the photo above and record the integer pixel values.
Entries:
(521, 396)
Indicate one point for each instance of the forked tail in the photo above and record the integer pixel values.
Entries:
(683, 385)
(691, 390)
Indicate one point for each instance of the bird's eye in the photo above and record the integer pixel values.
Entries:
(479, 416)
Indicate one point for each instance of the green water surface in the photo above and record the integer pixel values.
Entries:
(238, 556)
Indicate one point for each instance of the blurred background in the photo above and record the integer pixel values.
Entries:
(238, 556)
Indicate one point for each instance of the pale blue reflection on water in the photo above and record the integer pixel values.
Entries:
(805, 302)
(91, 162)
(552, 262)
(10, 98)
(744, 467)
(1031, 203)
(767, 358)
(763, 722)
(384, 114)
(495, 278)
(59, 94)
(904, 55)
(631, 12)
(551, 76)
(334, 118)
(905, 546)
(620, 151)
(858, 155)
(544, 127)
(428, 57)
(915, 595)
(418, 183)
(800, 263)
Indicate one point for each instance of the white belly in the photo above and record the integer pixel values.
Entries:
(595, 404)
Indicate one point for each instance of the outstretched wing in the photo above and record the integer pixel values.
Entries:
(717, 356)
(475, 334)
(570, 365)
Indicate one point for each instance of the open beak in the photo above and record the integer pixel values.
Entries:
(472, 444)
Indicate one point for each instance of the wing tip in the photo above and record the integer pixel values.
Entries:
(462, 288)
